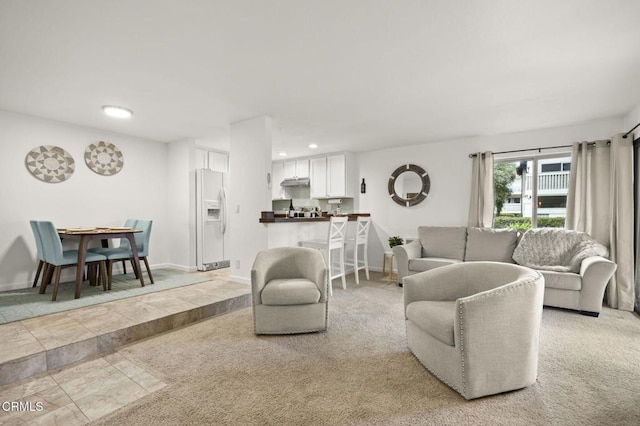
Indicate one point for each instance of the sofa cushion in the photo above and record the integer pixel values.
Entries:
(443, 241)
(562, 280)
(427, 263)
(490, 244)
(434, 318)
(295, 291)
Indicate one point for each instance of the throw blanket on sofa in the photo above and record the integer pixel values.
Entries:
(556, 249)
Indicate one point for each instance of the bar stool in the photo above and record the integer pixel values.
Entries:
(361, 238)
(334, 241)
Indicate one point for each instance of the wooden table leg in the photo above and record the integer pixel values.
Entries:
(82, 255)
(391, 266)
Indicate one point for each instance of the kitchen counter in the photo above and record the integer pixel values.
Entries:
(284, 219)
(288, 232)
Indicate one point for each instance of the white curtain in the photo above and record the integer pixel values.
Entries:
(600, 202)
(636, 161)
(481, 202)
(588, 195)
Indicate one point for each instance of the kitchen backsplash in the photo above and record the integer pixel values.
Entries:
(302, 199)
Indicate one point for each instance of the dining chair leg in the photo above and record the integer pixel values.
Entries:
(56, 283)
(124, 267)
(109, 273)
(46, 277)
(103, 274)
(136, 268)
(146, 263)
(35, 280)
(91, 273)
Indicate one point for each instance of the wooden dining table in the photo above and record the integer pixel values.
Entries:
(86, 235)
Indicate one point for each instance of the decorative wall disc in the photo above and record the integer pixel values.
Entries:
(50, 163)
(104, 158)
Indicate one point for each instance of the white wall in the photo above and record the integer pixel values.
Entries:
(249, 193)
(86, 199)
(180, 204)
(449, 168)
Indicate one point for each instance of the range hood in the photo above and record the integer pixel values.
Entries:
(295, 182)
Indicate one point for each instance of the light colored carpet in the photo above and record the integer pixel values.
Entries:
(360, 372)
(17, 305)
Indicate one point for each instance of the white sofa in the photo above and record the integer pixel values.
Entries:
(582, 290)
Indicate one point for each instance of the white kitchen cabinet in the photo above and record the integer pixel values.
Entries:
(212, 160)
(296, 169)
(218, 161)
(302, 168)
(333, 176)
(289, 169)
(318, 177)
(337, 175)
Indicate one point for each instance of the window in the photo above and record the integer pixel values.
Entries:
(531, 192)
(554, 167)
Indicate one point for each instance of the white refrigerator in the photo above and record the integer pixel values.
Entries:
(211, 219)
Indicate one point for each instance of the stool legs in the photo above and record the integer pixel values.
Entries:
(355, 263)
(344, 280)
(366, 260)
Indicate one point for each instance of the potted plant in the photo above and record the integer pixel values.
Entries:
(395, 241)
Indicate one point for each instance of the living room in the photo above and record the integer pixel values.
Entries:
(533, 82)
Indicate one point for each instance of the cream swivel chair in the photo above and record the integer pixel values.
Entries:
(361, 238)
(289, 291)
(475, 325)
(334, 241)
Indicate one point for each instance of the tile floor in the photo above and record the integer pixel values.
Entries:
(65, 369)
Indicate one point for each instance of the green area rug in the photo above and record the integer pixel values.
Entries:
(17, 305)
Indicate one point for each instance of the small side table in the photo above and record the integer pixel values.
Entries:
(387, 254)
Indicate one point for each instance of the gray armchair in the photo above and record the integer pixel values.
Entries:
(289, 288)
(475, 325)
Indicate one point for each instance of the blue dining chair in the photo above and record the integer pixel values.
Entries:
(59, 259)
(39, 252)
(124, 252)
(123, 246)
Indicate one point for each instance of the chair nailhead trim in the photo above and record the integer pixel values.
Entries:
(435, 374)
(508, 289)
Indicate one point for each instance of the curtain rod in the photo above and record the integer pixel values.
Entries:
(549, 147)
(523, 150)
(634, 127)
(537, 149)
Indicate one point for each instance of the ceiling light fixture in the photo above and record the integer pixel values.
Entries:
(282, 154)
(313, 146)
(117, 111)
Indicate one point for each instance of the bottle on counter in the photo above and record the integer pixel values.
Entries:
(363, 187)
(292, 211)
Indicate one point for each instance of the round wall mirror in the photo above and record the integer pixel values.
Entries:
(409, 185)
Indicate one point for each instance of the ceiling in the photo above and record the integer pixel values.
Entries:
(353, 75)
